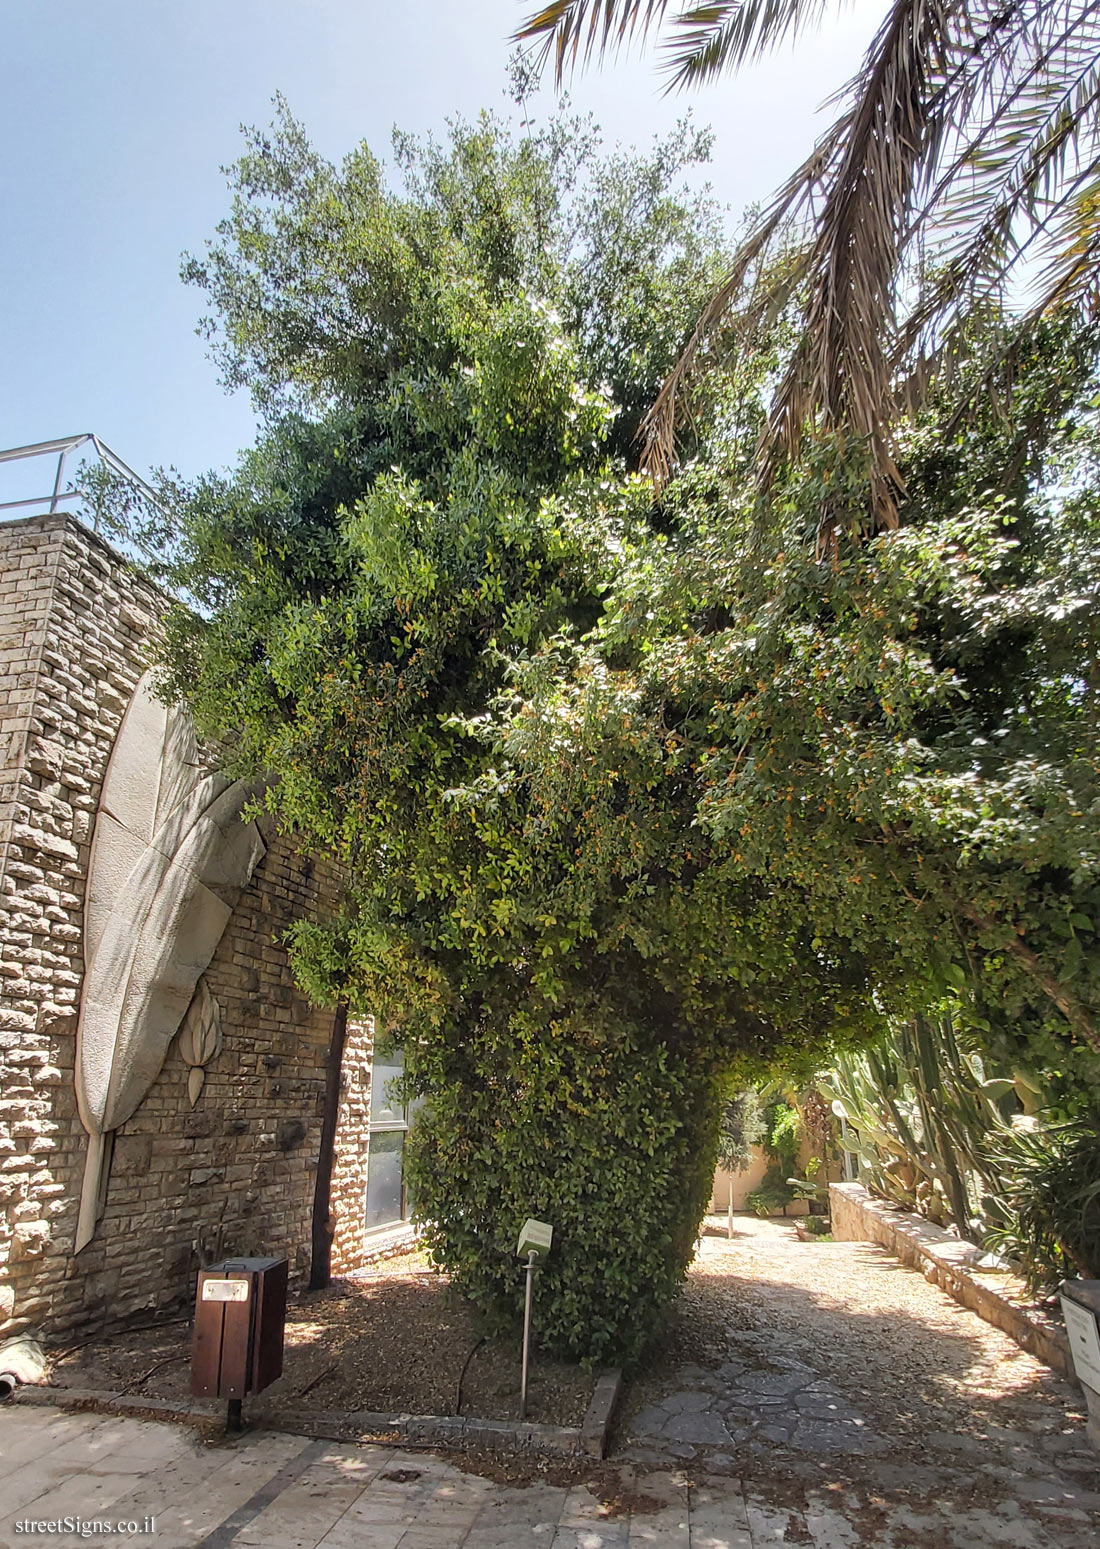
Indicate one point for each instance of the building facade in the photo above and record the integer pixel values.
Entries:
(162, 1079)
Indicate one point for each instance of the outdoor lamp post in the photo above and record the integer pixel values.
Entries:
(534, 1244)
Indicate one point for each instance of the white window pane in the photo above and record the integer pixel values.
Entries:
(385, 1178)
(386, 1106)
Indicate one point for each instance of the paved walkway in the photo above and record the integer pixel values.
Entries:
(815, 1394)
(795, 1364)
(269, 1491)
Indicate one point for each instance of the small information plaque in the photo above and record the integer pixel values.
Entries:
(535, 1237)
(225, 1290)
(1084, 1341)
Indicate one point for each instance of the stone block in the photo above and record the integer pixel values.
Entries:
(29, 1239)
(133, 1154)
(44, 843)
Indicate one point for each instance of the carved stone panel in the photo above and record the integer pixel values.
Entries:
(169, 859)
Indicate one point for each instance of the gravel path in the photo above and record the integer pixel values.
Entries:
(833, 1361)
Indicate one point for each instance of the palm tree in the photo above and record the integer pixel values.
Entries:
(964, 162)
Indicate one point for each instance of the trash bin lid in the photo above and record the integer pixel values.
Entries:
(1086, 1293)
(243, 1266)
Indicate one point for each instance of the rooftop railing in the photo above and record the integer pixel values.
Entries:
(62, 450)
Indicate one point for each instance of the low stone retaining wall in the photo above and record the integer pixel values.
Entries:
(950, 1263)
(589, 1439)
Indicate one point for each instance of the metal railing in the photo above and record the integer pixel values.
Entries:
(61, 449)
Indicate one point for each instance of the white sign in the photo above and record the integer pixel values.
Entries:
(225, 1290)
(1084, 1342)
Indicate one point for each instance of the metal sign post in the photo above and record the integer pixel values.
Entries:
(532, 1265)
(534, 1241)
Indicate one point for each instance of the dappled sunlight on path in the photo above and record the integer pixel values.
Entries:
(809, 1394)
(834, 1362)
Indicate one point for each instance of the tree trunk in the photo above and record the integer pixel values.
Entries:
(320, 1266)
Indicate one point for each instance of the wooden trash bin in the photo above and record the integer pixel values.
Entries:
(240, 1312)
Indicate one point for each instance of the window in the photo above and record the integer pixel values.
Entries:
(387, 1201)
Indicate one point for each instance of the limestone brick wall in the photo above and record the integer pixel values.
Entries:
(233, 1174)
(350, 1249)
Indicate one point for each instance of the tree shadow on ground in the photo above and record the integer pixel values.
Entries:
(387, 1342)
(923, 1373)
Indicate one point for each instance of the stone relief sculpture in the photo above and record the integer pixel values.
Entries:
(200, 1039)
(170, 857)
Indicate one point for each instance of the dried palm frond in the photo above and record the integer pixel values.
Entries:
(860, 185)
(578, 29)
(1005, 198)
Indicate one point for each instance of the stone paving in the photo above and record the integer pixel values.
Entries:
(794, 1363)
(785, 1404)
(267, 1491)
(836, 1401)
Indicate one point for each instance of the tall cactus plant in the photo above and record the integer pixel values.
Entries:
(923, 1110)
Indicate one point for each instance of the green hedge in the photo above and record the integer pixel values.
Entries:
(609, 1136)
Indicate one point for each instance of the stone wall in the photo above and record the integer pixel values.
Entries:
(958, 1267)
(233, 1174)
(351, 1249)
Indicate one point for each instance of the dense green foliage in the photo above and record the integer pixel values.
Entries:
(936, 1131)
(741, 1127)
(893, 752)
(632, 794)
(781, 1139)
(1049, 1201)
(444, 497)
(922, 1111)
(592, 1121)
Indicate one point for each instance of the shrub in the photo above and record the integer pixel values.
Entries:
(742, 1128)
(781, 1138)
(607, 1134)
(1049, 1203)
(772, 1195)
(782, 1133)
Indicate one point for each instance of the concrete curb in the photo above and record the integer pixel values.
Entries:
(948, 1262)
(589, 1439)
(601, 1408)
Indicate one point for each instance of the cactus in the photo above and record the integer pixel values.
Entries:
(924, 1110)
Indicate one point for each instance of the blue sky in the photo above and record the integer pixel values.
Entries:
(116, 119)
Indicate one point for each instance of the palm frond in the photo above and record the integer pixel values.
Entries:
(865, 172)
(1072, 275)
(572, 31)
(965, 160)
(1004, 205)
(936, 341)
(789, 206)
(702, 42)
(841, 375)
(707, 40)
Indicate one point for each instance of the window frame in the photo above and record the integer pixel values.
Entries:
(392, 1126)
